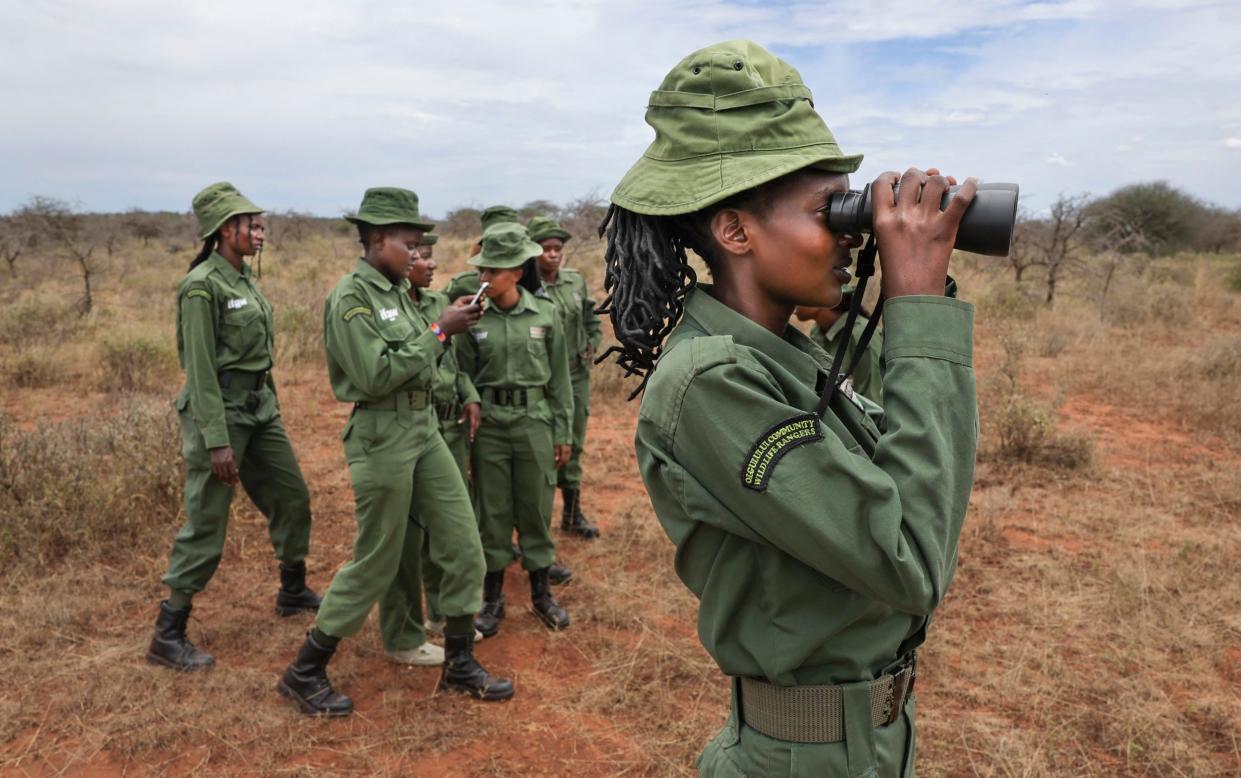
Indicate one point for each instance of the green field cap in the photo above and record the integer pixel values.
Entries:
(506, 245)
(217, 204)
(429, 239)
(727, 118)
(542, 227)
(497, 214)
(383, 205)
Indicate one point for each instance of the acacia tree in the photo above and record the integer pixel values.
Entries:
(62, 227)
(1021, 252)
(13, 241)
(1058, 240)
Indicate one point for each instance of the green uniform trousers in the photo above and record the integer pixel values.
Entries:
(570, 476)
(456, 437)
(866, 752)
(514, 479)
(404, 482)
(269, 474)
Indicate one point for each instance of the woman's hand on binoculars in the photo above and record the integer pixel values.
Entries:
(915, 237)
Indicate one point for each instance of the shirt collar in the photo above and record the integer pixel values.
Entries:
(794, 351)
(222, 265)
(367, 272)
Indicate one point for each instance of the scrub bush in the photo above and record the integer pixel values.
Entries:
(136, 364)
(90, 489)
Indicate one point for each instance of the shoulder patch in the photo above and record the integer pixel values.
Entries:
(203, 293)
(773, 444)
(357, 310)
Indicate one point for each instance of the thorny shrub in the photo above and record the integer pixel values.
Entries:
(137, 363)
(90, 489)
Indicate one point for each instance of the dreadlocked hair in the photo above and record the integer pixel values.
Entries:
(209, 245)
(530, 278)
(647, 275)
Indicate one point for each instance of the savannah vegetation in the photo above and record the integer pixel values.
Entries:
(1094, 627)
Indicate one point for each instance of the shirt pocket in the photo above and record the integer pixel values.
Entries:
(396, 332)
(243, 329)
(537, 348)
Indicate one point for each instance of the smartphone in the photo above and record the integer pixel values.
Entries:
(481, 291)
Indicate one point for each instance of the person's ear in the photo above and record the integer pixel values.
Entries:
(730, 229)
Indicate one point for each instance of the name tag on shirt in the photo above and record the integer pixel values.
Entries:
(388, 314)
(479, 334)
(538, 333)
(237, 302)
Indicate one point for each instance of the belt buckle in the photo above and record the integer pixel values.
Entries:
(902, 687)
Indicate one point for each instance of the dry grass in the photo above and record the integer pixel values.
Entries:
(1092, 630)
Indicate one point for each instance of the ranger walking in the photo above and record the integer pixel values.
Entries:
(382, 355)
(231, 431)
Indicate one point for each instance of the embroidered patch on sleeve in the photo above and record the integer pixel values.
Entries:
(203, 293)
(360, 310)
(771, 447)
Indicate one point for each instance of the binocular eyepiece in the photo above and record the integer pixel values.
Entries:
(986, 228)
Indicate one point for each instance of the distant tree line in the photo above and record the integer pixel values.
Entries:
(1134, 223)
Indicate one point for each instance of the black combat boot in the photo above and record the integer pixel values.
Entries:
(305, 682)
(572, 520)
(294, 595)
(170, 647)
(545, 605)
(488, 619)
(558, 574)
(462, 672)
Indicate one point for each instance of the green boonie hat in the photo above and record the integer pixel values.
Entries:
(542, 227)
(217, 204)
(383, 205)
(505, 245)
(497, 214)
(727, 118)
(429, 239)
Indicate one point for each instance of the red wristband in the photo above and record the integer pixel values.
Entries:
(438, 332)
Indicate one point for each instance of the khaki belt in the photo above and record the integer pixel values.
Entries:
(815, 714)
(515, 396)
(243, 379)
(416, 400)
(448, 411)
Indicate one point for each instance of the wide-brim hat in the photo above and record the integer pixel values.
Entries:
(217, 204)
(541, 228)
(429, 239)
(505, 245)
(727, 118)
(384, 205)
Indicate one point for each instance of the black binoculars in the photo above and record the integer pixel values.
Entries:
(986, 228)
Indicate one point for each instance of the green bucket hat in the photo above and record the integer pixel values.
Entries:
(497, 214)
(727, 118)
(506, 245)
(217, 204)
(383, 205)
(542, 227)
(429, 239)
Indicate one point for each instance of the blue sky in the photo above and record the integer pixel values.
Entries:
(121, 103)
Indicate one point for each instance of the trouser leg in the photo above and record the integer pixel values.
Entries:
(455, 438)
(491, 455)
(382, 489)
(273, 480)
(570, 476)
(443, 506)
(200, 542)
(400, 608)
(532, 483)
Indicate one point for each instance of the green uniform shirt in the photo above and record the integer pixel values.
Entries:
(868, 377)
(223, 323)
(818, 548)
(378, 342)
(451, 385)
(577, 309)
(522, 348)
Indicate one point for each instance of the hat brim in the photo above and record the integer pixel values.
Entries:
(209, 230)
(528, 252)
(552, 233)
(423, 226)
(658, 187)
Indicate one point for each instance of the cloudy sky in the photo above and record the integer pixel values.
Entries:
(303, 104)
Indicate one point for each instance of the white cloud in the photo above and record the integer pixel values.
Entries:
(1057, 159)
(1233, 143)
